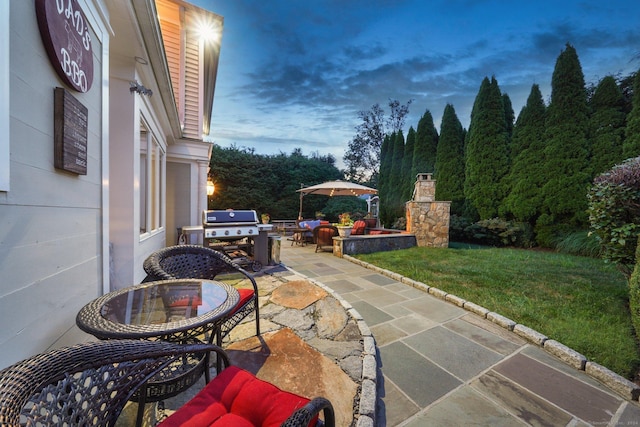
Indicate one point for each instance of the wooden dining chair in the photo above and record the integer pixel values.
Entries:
(199, 262)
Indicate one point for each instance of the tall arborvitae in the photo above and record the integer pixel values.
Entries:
(449, 169)
(509, 114)
(397, 179)
(386, 158)
(407, 165)
(606, 126)
(486, 156)
(566, 152)
(525, 177)
(390, 204)
(631, 146)
(424, 153)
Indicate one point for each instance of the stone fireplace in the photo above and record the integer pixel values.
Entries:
(427, 219)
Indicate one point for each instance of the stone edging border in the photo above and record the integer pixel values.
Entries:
(368, 386)
(615, 382)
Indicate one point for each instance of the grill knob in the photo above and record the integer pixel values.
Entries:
(250, 231)
(239, 232)
(226, 232)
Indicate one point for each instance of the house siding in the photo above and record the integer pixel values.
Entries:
(50, 244)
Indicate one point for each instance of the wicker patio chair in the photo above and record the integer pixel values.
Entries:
(323, 235)
(89, 384)
(199, 262)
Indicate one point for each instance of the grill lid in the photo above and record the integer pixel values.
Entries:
(229, 218)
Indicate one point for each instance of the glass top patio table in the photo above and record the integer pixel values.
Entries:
(174, 310)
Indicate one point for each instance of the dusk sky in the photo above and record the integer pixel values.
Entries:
(294, 74)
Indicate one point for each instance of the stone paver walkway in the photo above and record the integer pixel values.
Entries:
(309, 345)
(443, 365)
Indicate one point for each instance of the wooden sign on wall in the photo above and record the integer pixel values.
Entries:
(70, 133)
(64, 30)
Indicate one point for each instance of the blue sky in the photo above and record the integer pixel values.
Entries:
(295, 73)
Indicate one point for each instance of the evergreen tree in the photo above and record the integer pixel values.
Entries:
(386, 158)
(509, 114)
(397, 179)
(631, 147)
(449, 168)
(268, 183)
(607, 123)
(566, 152)
(424, 154)
(407, 165)
(525, 177)
(486, 155)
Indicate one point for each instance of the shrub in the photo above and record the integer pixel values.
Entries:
(614, 213)
(400, 224)
(492, 232)
(580, 243)
(634, 294)
(500, 232)
(457, 227)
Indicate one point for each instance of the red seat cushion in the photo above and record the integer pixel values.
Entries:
(195, 301)
(236, 398)
(358, 228)
(245, 296)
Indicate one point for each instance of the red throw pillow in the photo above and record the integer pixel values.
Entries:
(237, 398)
(358, 228)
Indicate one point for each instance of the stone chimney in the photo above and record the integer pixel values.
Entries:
(426, 218)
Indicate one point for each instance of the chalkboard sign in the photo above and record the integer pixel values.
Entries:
(70, 133)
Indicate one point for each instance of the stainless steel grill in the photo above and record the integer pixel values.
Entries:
(229, 224)
(232, 232)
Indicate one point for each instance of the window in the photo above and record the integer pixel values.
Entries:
(152, 167)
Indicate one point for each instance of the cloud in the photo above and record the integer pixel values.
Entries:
(299, 72)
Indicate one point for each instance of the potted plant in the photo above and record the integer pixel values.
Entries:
(344, 225)
(265, 217)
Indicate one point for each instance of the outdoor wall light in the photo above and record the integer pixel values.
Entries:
(136, 87)
(210, 187)
(207, 30)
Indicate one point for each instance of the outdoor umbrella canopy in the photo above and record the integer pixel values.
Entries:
(338, 188)
(335, 188)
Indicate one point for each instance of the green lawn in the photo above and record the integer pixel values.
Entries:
(578, 301)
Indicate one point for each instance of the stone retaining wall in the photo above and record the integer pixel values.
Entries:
(372, 243)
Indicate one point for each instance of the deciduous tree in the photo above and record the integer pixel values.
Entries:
(362, 157)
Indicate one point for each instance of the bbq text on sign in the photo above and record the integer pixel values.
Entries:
(65, 34)
(70, 133)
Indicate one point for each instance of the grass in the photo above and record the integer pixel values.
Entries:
(579, 301)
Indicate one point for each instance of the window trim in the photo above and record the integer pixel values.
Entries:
(153, 192)
(5, 105)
